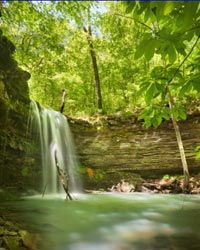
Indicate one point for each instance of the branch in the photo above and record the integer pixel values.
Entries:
(145, 25)
(186, 57)
(193, 28)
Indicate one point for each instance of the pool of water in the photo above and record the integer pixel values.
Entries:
(113, 222)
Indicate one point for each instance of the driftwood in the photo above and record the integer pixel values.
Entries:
(63, 178)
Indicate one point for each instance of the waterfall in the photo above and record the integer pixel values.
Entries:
(55, 135)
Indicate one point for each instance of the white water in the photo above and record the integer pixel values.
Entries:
(55, 136)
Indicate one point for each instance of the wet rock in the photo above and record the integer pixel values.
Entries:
(12, 237)
(123, 186)
(29, 240)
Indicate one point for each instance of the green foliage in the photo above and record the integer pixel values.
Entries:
(139, 48)
(198, 152)
(25, 171)
(166, 177)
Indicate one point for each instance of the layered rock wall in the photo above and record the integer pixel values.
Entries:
(124, 145)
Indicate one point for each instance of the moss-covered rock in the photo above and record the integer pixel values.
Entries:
(14, 237)
(17, 165)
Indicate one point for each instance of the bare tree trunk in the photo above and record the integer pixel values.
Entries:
(63, 101)
(95, 67)
(63, 178)
(180, 143)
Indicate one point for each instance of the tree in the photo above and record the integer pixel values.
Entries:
(165, 37)
(136, 54)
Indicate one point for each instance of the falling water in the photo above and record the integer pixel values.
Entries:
(55, 136)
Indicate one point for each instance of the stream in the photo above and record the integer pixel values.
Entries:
(112, 221)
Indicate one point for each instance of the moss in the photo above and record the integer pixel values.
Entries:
(11, 243)
(14, 237)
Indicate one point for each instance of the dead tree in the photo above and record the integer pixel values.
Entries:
(63, 178)
(63, 101)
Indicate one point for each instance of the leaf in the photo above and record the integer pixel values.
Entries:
(25, 171)
(142, 6)
(196, 86)
(180, 47)
(172, 54)
(130, 7)
(185, 89)
(156, 121)
(182, 114)
(141, 48)
(157, 71)
(160, 87)
(166, 114)
(147, 123)
(168, 8)
(139, 52)
(149, 49)
(150, 93)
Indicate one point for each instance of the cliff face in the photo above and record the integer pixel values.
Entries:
(125, 147)
(15, 163)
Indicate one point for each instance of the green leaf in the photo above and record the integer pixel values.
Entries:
(182, 114)
(196, 85)
(147, 123)
(168, 8)
(156, 121)
(166, 114)
(144, 46)
(160, 87)
(139, 52)
(180, 47)
(185, 89)
(172, 54)
(130, 7)
(25, 171)
(152, 90)
(149, 49)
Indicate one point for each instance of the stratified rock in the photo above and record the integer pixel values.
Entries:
(120, 147)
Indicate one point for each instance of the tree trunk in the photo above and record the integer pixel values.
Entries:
(63, 178)
(180, 143)
(62, 106)
(95, 67)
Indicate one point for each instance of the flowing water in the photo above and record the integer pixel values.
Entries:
(55, 137)
(100, 222)
(113, 222)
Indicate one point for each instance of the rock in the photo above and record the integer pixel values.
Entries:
(195, 191)
(29, 240)
(122, 186)
(145, 189)
(5, 232)
(127, 147)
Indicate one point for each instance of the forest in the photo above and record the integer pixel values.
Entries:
(100, 108)
(110, 57)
